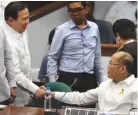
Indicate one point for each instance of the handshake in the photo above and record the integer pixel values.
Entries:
(43, 92)
(40, 92)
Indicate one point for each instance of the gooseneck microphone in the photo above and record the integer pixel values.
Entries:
(74, 82)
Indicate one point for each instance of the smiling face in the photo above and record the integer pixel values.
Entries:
(77, 12)
(21, 22)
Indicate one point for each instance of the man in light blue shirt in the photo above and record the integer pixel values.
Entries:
(76, 45)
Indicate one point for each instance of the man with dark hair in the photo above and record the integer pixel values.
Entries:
(7, 77)
(125, 33)
(76, 46)
(105, 28)
(42, 76)
(14, 26)
(117, 95)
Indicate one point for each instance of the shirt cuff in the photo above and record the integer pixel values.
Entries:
(33, 88)
(59, 95)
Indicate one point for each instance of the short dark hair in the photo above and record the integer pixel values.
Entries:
(82, 2)
(127, 60)
(13, 8)
(92, 4)
(125, 28)
(51, 35)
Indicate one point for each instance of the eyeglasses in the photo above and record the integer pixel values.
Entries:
(75, 9)
(113, 63)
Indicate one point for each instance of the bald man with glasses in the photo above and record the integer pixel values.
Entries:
(118, 94)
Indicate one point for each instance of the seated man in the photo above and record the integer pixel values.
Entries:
(118, 94)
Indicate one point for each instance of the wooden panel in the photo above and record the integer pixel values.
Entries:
(46, 9)
(108, 49)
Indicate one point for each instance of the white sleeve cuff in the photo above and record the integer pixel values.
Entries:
(59, 95)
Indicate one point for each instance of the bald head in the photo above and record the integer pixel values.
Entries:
(125, 59)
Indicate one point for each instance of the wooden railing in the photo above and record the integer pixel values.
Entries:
(108, 49)
(46, 9)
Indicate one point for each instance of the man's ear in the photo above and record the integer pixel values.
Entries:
(10, 19)
(123, 69)
(86, 10)
(118, 35)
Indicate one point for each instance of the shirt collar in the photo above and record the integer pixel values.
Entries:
(128, 81)
(12, 30)
(73, 25)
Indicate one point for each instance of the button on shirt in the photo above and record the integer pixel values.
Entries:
(21, 59)
(78, 50)
(7, 76)
(116, 98)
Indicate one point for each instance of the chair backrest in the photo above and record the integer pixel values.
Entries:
(58, 86)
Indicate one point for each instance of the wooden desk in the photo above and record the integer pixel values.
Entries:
(15, 110)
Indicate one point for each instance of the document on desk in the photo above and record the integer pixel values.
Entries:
(80, 111)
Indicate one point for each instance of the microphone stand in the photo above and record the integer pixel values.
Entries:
(66, 92)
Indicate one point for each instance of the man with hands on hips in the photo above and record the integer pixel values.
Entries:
(118, 94)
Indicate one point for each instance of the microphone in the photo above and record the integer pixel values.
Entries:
(74, 82)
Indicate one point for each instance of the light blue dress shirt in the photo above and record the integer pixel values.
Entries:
(78, 50)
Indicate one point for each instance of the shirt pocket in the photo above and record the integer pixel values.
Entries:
(91, 42)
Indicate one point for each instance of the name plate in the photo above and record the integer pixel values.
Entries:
(80, 111)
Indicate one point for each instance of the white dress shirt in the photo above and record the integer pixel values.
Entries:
(7, 76)
(116, 98)
(122, 9)
(22, 63)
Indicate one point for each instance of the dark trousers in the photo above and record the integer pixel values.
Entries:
(81, 82)
(84, 81)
